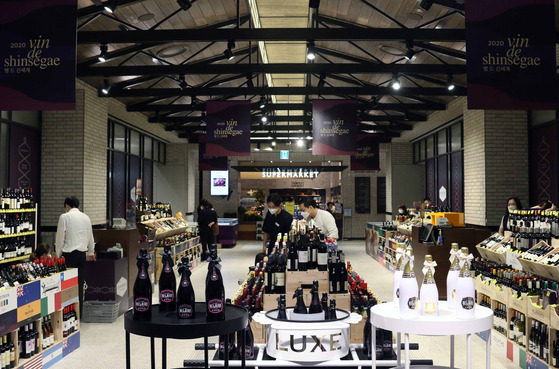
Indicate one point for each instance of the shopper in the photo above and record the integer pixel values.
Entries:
(43, 249)
(513, 203)
(331, 208)
(402, 210)
(323, 219)
(74, 240)
(277, 221)
(427, 202)
(207, 217)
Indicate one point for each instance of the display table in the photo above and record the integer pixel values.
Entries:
(166, 325)
(387, 316)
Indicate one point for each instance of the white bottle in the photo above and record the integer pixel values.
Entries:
(465, 289)
(429, 294)
(400, 252)
(409, 301)
(452, 276)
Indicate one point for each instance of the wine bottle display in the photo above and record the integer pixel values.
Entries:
(315, 306)
(167, 282)
(429, 295)
(142, 288)
(300, 307)
(185, 292)
(452, 276)
(215, 292)
(282, 315)
(249, 340)
(409, 302)
(465, 289)
(398, 272)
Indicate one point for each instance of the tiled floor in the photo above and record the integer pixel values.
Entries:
(102, 345)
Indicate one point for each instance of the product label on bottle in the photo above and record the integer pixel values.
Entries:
(141, 304)
(303, 256)
(215, 306)
(280, 279)
(398, 292)
(430, 308)
(288, 264)
(454, 294)
(185, 311)
(167, 296)
(29, 347)
(214, 277)
(185, 282)
(143, 275)
(412, 303)
(168, 268)
(468, 303)
(248, 351)
(314, 254)
(322, 258)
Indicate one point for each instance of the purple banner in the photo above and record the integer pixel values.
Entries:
(334, 127)
(208, 163)
(38, 53)
(367, 157)
(228, 128)
(511, 54)
(544, 160)
(25, 158)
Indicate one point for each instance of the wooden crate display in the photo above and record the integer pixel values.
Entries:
(293, 280)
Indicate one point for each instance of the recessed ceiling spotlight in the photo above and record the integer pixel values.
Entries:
(185, 4)
(311, 51)
(106, 86)
(103, 48)
(395, 83)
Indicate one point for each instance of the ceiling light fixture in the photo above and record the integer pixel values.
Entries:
(110, 6)
(395, 84)
(321, 80)
(311, 51)
(182, 83)
(106, 87)
(273, 143)
(185, 4)
(300, 143)
(269, 148)
(229, 54)
(410, 53)
(264, 119)
(449, 84)
(262, 102)
(257, 147)
(314, 4)
(103, 48)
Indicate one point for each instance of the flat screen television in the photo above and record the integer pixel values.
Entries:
(219, 182)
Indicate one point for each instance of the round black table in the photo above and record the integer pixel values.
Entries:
(166, 325)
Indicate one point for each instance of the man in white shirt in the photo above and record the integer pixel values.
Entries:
(323, 219)
(74, 240)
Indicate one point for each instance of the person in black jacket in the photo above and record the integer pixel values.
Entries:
(207, 217)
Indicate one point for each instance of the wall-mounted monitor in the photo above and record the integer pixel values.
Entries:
(219, 182)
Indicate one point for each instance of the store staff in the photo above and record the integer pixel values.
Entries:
(323, 219)
(277, 221)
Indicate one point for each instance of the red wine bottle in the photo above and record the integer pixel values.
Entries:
(282, 315)
(322, 255)
(185, 292)
(142, 288)
(324, 303)
(332, 310)
(249, 339)
(315, 306)
(167, 282)
(215, 292)
(367, 344)
(300, 307)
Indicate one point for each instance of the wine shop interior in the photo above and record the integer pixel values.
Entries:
(298, 183)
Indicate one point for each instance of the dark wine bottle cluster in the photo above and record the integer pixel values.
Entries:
(317, 305)
(253, 289)
(555, 351)
(15, 247)
(517, 328)
(69, 320)
(17, 274)
(538, 343)
(48, 332)
(360, 293)
(28, 337)
(13, 223)
(276, 267)
(7, 352)
(529, 227)
(16, 198)
(383, 338)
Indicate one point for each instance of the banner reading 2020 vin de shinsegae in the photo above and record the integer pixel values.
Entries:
(511, 54)
(228, 128)
(38, 53)
(334, 127)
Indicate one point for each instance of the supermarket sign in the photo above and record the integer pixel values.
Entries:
(305, 172)
(313, 345)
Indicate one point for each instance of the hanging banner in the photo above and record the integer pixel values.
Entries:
(228, 128)
(38, 53)
(25, 158)
(334, 127)
(367, 157)
(209, 163)
(511, 54)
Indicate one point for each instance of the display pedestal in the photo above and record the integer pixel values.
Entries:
(387, 316)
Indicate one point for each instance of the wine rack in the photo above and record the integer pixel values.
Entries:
(21, 234)
(190, 248)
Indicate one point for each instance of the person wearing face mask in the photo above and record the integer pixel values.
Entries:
(331, 208)
(513, 203)
(277, 221)
(402, 210)
(323, 219)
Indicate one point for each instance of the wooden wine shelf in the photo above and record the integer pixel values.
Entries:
(15, 259)
(7, 211)
(17, 234)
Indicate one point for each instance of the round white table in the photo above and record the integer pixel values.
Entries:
(387, 316)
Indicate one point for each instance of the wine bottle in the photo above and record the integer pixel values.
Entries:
(302, 254)
(215, 292)
(292, 257)
(167, 281)
(322, 255)
(367, 343)
(332, 310)
(342, 276)
(313, 251)
(142, 288)
(280, 271)
(300, 307)
(387, 351)
(231, 346)
(465, 289)
(315, 306)
(249, 339)
(409, 304)
(324, 303)
(334, 274)
(429, 295)
(452, 276)
(398, 272)
(281, 308)
(185, 293)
